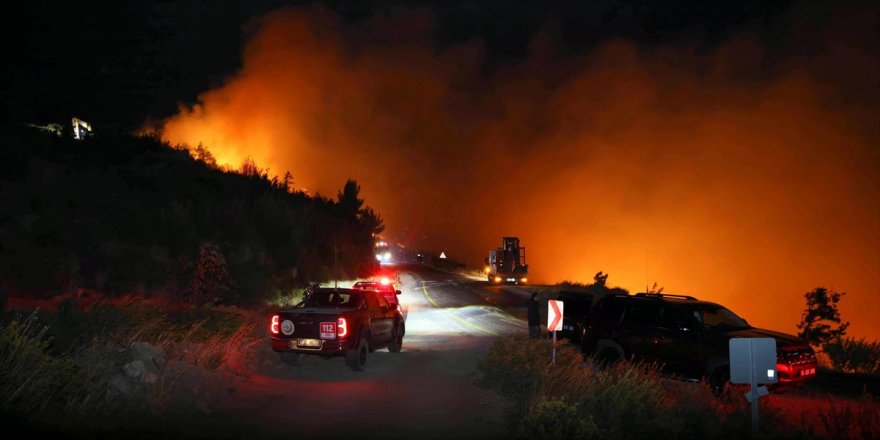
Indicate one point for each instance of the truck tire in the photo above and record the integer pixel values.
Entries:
(719, 379)
(396, 343)
(292, 357)
(607, 357)
(607, 353)
(356, 358)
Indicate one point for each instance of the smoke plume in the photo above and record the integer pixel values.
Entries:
(739, 175)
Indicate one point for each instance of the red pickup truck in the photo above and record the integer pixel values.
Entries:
(337, 322)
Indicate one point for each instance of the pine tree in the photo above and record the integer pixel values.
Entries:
(203, 154)
(821, 312)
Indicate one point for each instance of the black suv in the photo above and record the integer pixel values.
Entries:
(576, 314)
(688, 337)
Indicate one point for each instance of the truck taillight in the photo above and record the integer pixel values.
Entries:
(274, 326)
(341, 327)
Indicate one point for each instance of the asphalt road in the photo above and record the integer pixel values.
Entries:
(426, 391)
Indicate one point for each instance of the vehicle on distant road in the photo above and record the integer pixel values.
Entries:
(337, 322)
(688, 337)
(507, 264)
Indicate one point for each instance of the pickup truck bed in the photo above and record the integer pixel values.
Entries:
(337, 322)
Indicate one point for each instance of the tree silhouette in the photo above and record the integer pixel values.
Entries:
(600, 278)
(288, 182)
(654, 289)
(250, 168)
(347, 199)
(821, 312)
(202, 153)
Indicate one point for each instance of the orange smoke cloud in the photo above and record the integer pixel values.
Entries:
(714, 174)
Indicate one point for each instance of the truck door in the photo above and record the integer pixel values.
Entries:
(640, 329)
(677, 342)
(381, 317)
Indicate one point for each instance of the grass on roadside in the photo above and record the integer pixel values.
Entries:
(81, 363)
(573, 400)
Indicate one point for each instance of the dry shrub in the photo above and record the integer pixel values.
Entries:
(76, 374)
(34, 383)
(572, 400)
(628, 401)
(557, 420)
(860, 420)
(623, 401)
(852, 355)
(568, 380)
(516, 367)
(234, 351)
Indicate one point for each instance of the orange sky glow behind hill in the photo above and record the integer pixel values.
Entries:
(717, 174)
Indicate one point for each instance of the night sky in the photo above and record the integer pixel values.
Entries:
(121, 63)
(724, 149)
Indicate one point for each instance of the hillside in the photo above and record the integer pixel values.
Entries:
(134, 215)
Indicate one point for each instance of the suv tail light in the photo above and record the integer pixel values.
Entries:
(273, 327)
(796, 357)
(341, 327)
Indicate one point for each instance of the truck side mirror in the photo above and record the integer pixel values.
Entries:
(397, 292)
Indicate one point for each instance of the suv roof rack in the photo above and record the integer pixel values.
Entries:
(665, 295)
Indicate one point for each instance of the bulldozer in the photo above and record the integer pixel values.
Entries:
(507, 264)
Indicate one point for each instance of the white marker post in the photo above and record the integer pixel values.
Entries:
(554, 321)
(753, 362)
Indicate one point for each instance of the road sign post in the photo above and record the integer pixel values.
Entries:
(554, 321)
(753, 362)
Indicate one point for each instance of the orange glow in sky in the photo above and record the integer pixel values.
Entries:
(731, 175)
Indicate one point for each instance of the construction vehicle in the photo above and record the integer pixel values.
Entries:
(507, 264)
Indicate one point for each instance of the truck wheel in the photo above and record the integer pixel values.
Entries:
(719, 379)
(397, 340)
(357, 357)
(292, 357)
(607, 357)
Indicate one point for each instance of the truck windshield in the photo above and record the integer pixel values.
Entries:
(719, 318)
(333, 299)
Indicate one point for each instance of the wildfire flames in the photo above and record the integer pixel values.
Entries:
(734, 174)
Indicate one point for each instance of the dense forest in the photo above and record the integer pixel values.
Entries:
(123, 214)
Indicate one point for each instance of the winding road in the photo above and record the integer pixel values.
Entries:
(426, 391)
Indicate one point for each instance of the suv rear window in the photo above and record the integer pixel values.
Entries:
(333, 299)
(676, 318)
(578, 303)
(642, 312)
(720, 318)
(611, 308)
